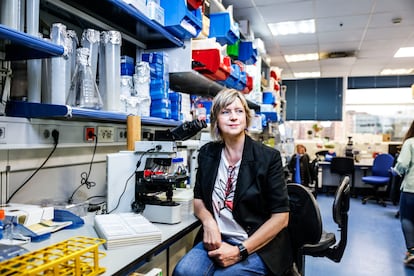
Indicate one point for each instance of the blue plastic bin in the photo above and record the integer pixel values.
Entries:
(180, 21)
(247, 53)
(223, 28)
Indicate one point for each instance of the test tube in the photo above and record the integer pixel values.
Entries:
(10, 13)
(112, 49)
(58, 73)
(34, 66)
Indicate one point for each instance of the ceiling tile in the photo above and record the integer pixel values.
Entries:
(366, 28)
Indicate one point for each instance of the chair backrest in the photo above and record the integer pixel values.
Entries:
(382, 164)
(305, 223)
(340, 210)
(342, 165)
(340, 205)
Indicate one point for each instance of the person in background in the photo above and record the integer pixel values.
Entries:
(405, 167)
(300, 160)
(241, 199)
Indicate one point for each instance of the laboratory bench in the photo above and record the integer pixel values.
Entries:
(127, 259)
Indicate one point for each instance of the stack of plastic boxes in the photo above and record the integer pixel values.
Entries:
(159, 85)
(176, 99)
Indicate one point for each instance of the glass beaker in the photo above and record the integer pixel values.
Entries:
(83, 91)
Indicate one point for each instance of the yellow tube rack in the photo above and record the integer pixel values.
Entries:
(75, 256)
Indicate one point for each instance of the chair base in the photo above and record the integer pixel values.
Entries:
(379, 200)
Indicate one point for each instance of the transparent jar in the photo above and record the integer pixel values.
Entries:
(83, 91)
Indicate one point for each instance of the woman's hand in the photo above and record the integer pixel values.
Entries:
(212, 236)
(226, 255)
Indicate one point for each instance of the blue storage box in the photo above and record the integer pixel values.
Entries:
(158, 94)
(180, 21)
(175, 97)
(160, 103)
(159, 71)
(247, 53)
(234, 77)
(127, 66)
(223, 28)
(241, 84)
(270, 116)
(155, 57)
(164, 113)
(268, 98)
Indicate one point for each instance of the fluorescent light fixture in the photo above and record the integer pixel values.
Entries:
(292, 27)
(302, 57)
(401, 71)
(302, 75)
(405, 52)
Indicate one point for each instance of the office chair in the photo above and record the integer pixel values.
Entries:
(305, 224)
(380, 177)
(320, 155)
(343, 166)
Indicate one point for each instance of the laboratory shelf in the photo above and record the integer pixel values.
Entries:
(52, 111)
(23, 46)
(115, 14)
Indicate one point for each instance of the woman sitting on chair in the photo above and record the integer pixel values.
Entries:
(241, 199)
(300, 160)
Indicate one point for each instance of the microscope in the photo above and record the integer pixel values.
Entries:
(158, 175)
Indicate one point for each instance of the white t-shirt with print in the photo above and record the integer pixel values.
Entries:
(223, 196)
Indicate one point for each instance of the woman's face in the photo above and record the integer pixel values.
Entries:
(232, 119)
(301, 150)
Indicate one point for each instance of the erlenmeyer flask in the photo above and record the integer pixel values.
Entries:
(83, 91)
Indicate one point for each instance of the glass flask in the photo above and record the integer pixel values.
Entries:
(83, 91)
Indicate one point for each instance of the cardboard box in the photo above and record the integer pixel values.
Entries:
(386, 137)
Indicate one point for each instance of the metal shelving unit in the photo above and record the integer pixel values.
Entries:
(20, 45)
(64, 112)
(135, 27)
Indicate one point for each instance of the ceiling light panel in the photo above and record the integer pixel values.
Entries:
(302, 57)
(303, 75)
(292, 27)
(405, 52)
(402, 71)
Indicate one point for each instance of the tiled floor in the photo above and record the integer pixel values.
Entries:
(375, 242)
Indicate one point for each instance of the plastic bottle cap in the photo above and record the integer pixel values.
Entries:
(2, 214)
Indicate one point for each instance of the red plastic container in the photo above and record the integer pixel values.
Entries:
(249, 84)
(194, 4)
(208, 62)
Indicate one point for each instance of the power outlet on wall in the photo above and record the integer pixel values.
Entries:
(121, 134)
(45, 133)
(106, 134)
(2, 132)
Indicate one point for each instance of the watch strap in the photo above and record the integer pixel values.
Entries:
(243, 252)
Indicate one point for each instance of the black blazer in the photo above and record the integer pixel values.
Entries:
(260, 191)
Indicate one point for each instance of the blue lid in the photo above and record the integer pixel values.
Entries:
(177, 159)
(127, 59)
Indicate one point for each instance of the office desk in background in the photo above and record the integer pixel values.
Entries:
(176, 241)
(362, 168)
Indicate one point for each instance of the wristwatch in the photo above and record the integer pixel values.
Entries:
(243, 252)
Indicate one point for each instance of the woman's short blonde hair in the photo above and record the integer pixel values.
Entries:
(224, 98)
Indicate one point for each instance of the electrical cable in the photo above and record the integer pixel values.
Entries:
(129, 178)
(55, 135)
(85, 176)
